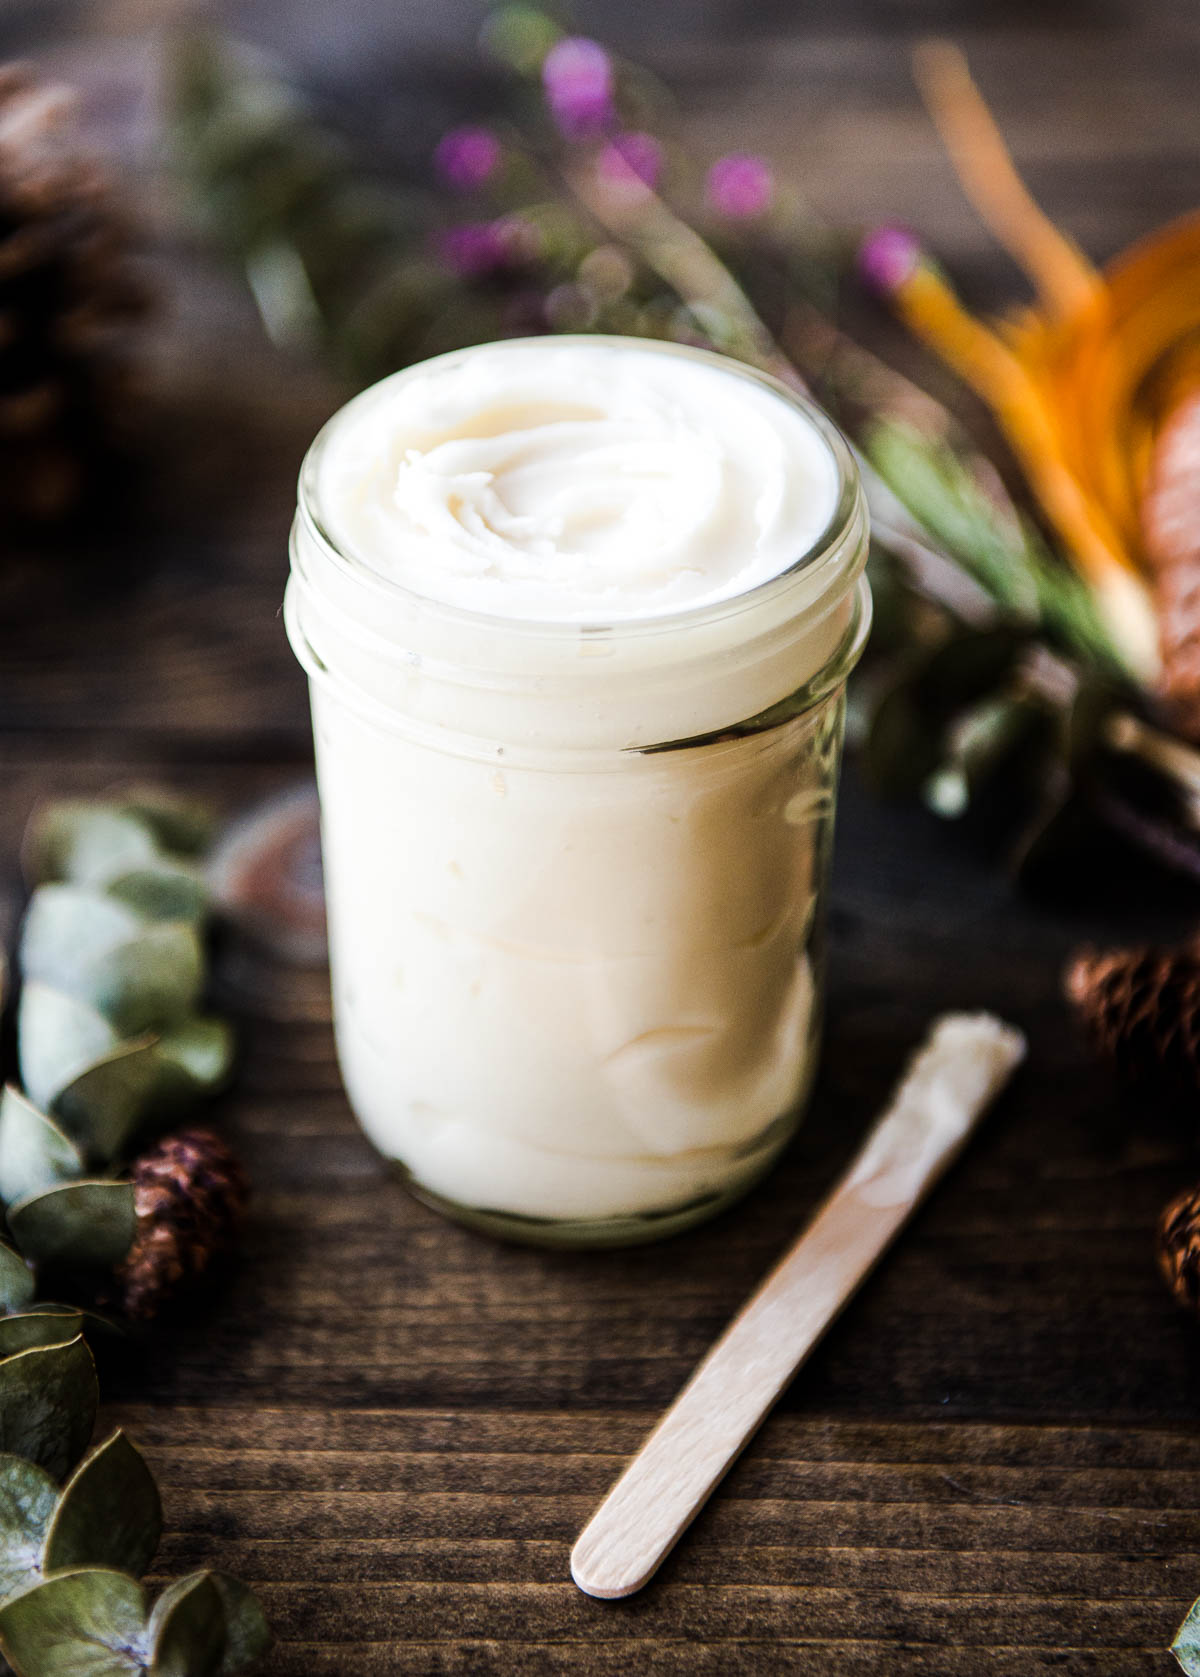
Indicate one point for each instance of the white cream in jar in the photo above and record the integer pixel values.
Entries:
(565, 481)
(545, 591)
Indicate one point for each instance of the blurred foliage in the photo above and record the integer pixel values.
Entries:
(992, 685)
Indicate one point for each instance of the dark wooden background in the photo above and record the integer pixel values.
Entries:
(394, 1428)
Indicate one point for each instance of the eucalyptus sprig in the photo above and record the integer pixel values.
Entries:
(76, 1535)
(110, 1039)
(112, 1045)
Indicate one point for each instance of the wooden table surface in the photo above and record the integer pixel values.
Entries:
(394, 1428)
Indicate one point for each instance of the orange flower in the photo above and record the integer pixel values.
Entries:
(1082, 381)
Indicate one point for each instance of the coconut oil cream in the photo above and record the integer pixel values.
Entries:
(577, 616)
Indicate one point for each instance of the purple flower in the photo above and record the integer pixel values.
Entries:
(477, 248)
(473, 248)
(466, 157)
(886, 258)
(629, 166)
(578, 79)
(739, 186)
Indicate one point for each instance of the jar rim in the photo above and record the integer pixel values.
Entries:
(846, 514)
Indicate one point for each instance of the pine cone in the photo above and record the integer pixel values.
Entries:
(67, 299)
(1179, 1248)
(189, 1193)
(1141, 1008)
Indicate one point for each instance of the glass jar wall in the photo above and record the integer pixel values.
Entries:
(576, 876)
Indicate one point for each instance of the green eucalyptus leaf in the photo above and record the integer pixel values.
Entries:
(141, 976)
(48, 1402)
(187, 1629)
(46, 1323)
(179, 823)
(153, 982)
(90, 1623)
(151, 1078)
(78, 1225)
(94, 1324)
(106, 1104)
(38, 1327)
(69, 926)
(85, 842)
(34, 1152)
(17, 1281)
(194, 1060)
(247, 1633)
(1186, 1646)
(58, 1037)
(109, 1513)
(27, 1499)
(167, 891)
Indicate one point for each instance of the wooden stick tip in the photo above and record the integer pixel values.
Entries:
(594, 1578)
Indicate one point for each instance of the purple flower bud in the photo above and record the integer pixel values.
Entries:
(886, 258)
(477, 248)
(739, 186)
(473, 248)
(578, 79)
(629, 166)
(466, 157)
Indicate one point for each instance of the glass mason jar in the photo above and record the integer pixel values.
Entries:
(576, 875)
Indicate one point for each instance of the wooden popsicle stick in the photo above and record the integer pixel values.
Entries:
(963, 1063)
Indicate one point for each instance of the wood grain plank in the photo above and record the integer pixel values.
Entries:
(616, 1657)
(746, 1612)
(945, 1572)
(419, 1526)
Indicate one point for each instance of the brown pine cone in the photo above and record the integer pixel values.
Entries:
(189, 1194)
(1179, 1248)
(1141, 1009)
(67, 298)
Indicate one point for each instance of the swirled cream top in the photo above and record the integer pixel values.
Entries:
(575, 481)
